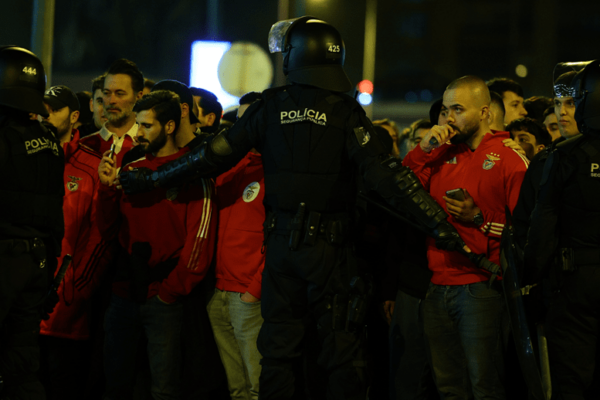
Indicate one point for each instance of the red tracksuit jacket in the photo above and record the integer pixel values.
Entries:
(178, 223)
(492, 174)
(83, 241)
(239, 259)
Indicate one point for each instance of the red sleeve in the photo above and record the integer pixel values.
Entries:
(198, 250)
(96, 252)
(255, 287)
(514, 173)
(422, 163)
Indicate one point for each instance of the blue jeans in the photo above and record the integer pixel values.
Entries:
(236, 324)
(465, 327)
(124, 323)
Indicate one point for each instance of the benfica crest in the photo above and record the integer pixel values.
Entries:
(73, 183)
(251, 192)
(490, 162)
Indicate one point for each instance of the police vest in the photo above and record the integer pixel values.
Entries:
(305, 157)
(580, 205)
(31, 172)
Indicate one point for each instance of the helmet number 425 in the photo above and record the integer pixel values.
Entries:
(30, 71)
(334, 48)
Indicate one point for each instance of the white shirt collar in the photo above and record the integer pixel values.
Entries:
(107, 135)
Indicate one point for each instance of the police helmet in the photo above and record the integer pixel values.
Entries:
(22, 80)
(586, 88)
(313, 53)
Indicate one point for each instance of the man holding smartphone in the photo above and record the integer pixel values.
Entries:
(470, 172)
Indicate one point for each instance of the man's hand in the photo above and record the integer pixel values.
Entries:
(388, 310)
(513, 145)
(441, 133)
(248, 298)
(107, 169)
(463, 211)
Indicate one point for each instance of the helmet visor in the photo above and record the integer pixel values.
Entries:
(563, 78)
(278, 32)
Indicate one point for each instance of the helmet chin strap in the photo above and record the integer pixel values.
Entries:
(286, 58)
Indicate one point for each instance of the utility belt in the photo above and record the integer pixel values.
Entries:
(35, 246)
(306, 227)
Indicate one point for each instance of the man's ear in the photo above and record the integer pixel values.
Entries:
(211, 118)
(170, 127)
(139, 95)
(74, 116)
(185, 110)
(92, 105)
(485, 112)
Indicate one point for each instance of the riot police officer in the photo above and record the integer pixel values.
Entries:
(564, 226)
(31, 226)
(315, 143)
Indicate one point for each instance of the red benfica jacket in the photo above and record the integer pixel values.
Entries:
(239, 260)
(101, 141)
(492, 174)
(82, 240)
(178, 223)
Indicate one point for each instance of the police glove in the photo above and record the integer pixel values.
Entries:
(447, 238)
(137, 180)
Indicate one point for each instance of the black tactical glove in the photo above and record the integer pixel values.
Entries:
(137, 180)
(50, 301)
(446, 237)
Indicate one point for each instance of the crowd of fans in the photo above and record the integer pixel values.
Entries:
(188, 327)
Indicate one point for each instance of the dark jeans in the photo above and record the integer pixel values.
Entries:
(572, 330)
(23, 285)
(465, 327)
(295, 282)
(124, 323)
(410, 373)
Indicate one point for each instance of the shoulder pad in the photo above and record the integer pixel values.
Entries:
(268, 94)
(568, 145)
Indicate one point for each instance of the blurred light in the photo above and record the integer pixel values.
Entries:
(411, 97)
(204, 68)
(521, 71)
(365, 86)
(365, 99)
(426, 95)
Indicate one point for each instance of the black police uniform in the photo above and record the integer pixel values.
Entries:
(565, 222)
(31, 229)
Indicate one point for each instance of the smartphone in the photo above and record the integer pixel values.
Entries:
(112, 150)
(456, 194)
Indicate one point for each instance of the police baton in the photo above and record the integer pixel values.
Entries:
(61, 273)
(478, 259)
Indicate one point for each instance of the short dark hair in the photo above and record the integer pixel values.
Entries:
(536, 106)
(98, 83)
(497, 99)
(209, 103)
(501, 85)
(250, 98)
(166, 106)
(424, 123)
(531, 126)
(548, 111)
(126, 67)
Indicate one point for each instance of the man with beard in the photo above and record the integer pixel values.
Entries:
(464, 311)
(63, 111)
(65, 334)
(167, 240)
(123, 86)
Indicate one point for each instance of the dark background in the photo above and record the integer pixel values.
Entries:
(421, 44)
